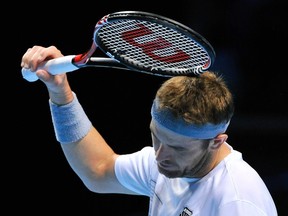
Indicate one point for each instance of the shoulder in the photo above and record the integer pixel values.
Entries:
(134, 171)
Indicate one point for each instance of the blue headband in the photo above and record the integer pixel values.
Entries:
(166, 119)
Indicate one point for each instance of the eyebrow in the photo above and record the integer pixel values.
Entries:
(167, 139)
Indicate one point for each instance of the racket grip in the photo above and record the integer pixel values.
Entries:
(54, 66)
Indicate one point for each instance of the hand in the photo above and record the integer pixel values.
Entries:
(57, 85)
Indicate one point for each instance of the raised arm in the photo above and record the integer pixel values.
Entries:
(88, 154)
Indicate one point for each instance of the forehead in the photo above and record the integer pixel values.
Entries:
(167, 136)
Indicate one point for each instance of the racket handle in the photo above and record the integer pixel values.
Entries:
(54, 66)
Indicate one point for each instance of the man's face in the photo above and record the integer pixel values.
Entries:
(178, 155)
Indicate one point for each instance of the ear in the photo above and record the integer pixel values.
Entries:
(219, 140)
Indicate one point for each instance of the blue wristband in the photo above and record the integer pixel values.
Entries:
(70, 121)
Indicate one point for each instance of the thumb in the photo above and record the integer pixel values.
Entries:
(43, 75)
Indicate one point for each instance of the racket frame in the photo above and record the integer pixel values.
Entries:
(75, 62)
(161, 20)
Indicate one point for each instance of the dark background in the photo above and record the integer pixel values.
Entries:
(248, 39)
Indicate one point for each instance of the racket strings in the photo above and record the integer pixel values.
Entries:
(153, 46)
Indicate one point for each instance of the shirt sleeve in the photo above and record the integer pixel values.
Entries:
(134, 170)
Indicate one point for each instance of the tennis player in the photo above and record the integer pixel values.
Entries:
(190, 169)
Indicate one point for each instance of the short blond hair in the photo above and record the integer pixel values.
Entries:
(198, 100)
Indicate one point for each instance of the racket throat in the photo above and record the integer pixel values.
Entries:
(81, 59)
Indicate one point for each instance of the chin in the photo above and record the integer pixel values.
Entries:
(170, 174)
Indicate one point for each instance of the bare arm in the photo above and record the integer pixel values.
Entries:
(91, 157)
(93, 161)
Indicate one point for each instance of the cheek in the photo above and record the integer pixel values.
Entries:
(195, 157)
(188, 156)
(184, 157)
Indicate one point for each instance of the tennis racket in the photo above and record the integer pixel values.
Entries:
(139, 41)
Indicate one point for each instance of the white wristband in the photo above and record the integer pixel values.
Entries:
(70, 121)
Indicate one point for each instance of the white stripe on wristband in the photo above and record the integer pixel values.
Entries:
(70, 121)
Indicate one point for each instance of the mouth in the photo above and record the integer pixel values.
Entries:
(164, 165)
(167, 170)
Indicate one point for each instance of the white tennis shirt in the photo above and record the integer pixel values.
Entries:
(232, 188)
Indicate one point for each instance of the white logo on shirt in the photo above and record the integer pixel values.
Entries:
(186, 212)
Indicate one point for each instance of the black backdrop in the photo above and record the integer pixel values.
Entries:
(246, 36)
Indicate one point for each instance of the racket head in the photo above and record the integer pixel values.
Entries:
(153, 44)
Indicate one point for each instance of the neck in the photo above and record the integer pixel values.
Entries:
(222, 152)
(219, 155)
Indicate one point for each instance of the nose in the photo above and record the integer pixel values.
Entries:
(162, 153)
